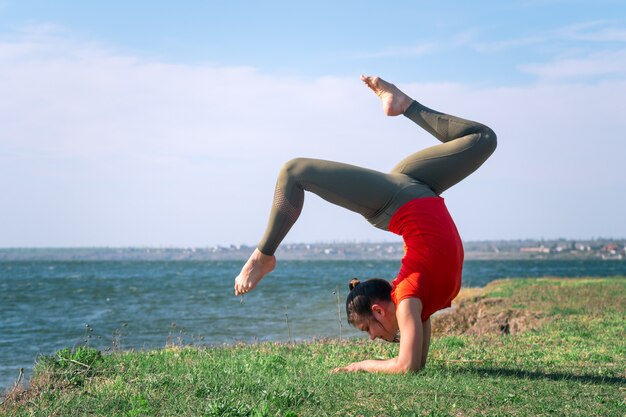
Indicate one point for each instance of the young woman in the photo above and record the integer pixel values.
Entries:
(404, 201)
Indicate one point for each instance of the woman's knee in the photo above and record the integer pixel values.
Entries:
(488, 138)
(295, 168)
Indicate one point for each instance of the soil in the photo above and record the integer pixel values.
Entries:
(480, 316)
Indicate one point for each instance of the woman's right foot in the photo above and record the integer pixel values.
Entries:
(257, 266)
(395, 102)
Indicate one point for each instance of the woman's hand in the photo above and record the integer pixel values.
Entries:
(353, 367)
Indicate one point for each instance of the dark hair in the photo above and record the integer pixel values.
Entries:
(363, 295)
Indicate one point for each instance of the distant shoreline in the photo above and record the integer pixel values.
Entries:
(561, 249)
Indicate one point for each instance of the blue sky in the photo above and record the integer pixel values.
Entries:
(150, 123)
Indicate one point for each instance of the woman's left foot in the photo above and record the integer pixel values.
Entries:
(257, 266)
(395, 102)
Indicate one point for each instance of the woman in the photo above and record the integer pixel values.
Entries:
(405, 202)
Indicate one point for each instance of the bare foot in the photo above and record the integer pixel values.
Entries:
(253, 271)
(395, 102)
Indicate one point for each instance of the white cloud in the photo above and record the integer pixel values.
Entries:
(604, 63)
(99, 148)
(597, 31)
(593, 32)
(583, 51)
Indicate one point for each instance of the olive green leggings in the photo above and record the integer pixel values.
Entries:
(377, 195)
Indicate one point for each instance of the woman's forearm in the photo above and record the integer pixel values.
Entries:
(389, 366)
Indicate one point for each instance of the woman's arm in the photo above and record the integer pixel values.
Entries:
(412, 344)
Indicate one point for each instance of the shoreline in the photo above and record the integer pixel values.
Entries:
(558, 249)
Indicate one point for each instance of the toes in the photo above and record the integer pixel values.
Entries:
(241, 289)
(373, 83)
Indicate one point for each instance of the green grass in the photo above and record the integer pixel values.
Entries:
(573, 364)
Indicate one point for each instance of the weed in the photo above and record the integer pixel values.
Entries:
(71, 366)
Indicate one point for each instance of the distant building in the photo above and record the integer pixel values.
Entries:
(611, 248)
(563, 246)
(582, 247)
(535, 249)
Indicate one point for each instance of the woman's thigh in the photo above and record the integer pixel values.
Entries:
(362, 190)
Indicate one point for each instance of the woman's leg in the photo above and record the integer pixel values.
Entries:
(361, 190)
(466, 144)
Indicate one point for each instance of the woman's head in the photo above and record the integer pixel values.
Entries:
(369, 308)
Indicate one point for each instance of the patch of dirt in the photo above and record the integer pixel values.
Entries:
(480, 316)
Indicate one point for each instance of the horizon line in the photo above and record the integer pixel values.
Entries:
(335, 242)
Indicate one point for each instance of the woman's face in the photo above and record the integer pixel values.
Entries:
(382, 324)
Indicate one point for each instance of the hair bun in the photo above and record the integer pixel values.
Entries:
(353, 283)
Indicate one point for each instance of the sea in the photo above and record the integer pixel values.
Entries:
(143, 305)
